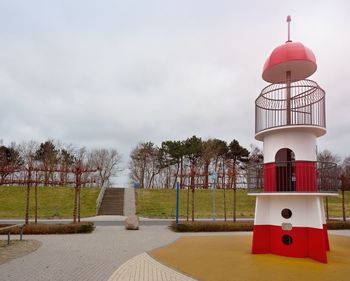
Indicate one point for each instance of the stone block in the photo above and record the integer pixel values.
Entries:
(132, 222)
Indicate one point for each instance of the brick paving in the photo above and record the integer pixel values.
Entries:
(92, 256)
(145, 268)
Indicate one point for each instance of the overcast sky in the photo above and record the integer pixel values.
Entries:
(116, 73)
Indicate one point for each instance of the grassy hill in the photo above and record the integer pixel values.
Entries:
(161, 203)
(53, 202)
(57, 202)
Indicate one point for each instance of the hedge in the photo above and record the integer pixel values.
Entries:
(40, 228)
(210, 226)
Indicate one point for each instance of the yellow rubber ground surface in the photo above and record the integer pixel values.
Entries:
(228, 258)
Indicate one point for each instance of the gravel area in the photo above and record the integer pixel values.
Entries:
(17, 249)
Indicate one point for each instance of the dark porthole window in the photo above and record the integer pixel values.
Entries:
(287, 239)
(286, 213)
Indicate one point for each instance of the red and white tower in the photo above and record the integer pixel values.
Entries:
(290, 116)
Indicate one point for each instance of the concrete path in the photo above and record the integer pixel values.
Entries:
(129, 202)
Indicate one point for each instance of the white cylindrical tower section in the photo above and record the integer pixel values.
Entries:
(301, 142)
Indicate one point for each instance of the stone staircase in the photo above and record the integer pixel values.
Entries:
(112, 202)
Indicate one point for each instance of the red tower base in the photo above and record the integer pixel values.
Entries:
(307, 242)
(291, 224)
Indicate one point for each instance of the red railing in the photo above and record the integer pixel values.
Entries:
(294, 176)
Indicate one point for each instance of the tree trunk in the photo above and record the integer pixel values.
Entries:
(150, 183)
(192, 187)
(234, 204)
(143, 177)
(225, 215)
(224, 187)
(193, 203)
(181, 172)
(27, 204)
(36, 202)
(234, 192)
(2, 179)
(29, 181)
(234, 179)
(79, 204)
(327, 213)
(75, 204)
(206, 175)
(343, 202)
(46, 176)
(176, 175)
(78, 183)
(188, 204)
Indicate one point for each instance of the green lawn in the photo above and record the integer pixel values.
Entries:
(53, 202)
(57, 202)
(160, 203)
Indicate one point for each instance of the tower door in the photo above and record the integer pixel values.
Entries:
(285, 170)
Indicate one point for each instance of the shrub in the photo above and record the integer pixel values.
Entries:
(210, 226)
(40, 228)
(337, 224)
(205, 226)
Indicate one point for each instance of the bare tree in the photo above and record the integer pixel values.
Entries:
(144, 164)
(171, 154)
(9, 159)
(66, 160)
(80, 160)
(345, 182)
(255, 169)
(193, 152)
(324, 157)
(27, 151)
(107, 161)
(47, 154)
(238, 154)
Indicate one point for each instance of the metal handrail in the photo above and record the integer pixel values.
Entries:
(100, 197)
(291, 176)
(9, 232)
(307, 105)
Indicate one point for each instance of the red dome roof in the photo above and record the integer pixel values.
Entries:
(293, 57)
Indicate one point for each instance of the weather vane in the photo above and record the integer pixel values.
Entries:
(289, 19)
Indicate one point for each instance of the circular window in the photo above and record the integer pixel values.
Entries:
(287, 239)
(286, 213)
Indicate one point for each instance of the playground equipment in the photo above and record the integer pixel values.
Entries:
(289, 117)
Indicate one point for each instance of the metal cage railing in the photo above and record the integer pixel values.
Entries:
(306, 105)
(294, 176)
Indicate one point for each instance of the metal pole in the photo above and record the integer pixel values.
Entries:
(177, 202)
(288, 21)
(288, 76)
(21, 233)
(214, 211)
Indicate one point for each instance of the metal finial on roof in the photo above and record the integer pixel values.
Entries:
(289, 19)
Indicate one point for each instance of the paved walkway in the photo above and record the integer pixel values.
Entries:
(145, 268)
(129, 201)
(77, 257)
